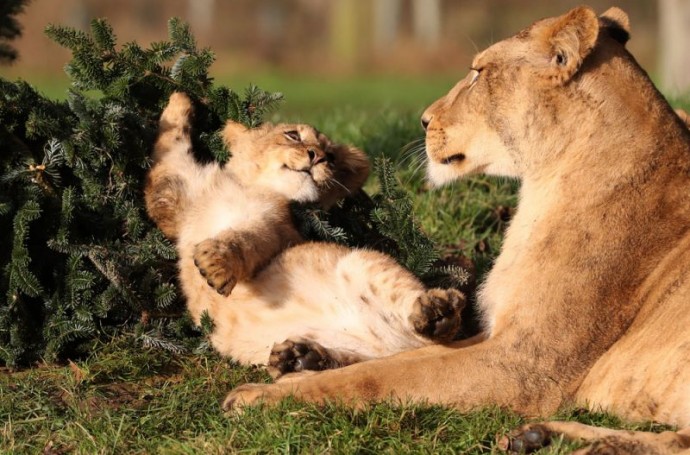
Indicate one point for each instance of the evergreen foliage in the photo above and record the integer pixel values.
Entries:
(383, 222)
(9, 28)
(79, 258)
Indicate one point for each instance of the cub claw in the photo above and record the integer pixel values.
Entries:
(436, 314)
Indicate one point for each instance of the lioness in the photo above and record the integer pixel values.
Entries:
(588, 302)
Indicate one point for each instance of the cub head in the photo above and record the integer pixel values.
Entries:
(295, 160)
(515, 107)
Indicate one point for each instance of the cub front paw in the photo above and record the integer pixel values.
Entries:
(436, 314)
(220, 263)
(294, 356)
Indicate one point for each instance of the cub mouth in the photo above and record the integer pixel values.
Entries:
(303, 171)
(317, 177)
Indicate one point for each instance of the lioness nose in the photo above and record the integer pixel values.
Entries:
(425, 122)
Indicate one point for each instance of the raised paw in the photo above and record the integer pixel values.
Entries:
(526, 439)
(436, 314)
(178, 110)
(292, 356)
(220, 263)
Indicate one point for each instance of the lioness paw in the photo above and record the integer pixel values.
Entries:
(293, 356)
(244, 395)
(436, 314)
(220, 263)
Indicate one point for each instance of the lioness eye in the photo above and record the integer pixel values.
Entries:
(474, 75)
(293, 135)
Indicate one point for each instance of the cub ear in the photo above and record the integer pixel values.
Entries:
(615, 21)
(233, 131)
(351, 169)
(568, 39)
(683, 116)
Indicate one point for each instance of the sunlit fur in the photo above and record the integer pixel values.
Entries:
(587, 303)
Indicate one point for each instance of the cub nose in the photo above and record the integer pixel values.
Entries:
(425, 121)
(316, 156)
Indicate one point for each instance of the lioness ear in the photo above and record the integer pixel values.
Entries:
(233, 131)
(568, 40)
(615, 21)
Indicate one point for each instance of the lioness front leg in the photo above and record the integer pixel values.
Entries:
(489, 373)
(234, 256)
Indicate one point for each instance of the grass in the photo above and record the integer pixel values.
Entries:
(127, 399)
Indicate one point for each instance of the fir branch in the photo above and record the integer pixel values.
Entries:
(313, 224)
(394, 218)
(152, 340)
(21, 278)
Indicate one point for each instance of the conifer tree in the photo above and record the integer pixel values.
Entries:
(79, 259)
(79, 256)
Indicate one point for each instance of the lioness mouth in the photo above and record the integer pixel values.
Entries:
(453, 158)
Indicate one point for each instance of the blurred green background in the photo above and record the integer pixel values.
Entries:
(322, 54)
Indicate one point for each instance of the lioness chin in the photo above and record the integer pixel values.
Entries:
(587, 304)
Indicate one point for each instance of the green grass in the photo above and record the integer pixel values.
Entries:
(127, 399)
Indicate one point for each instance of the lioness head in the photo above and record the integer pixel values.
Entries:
(296, 161)
(519, 96)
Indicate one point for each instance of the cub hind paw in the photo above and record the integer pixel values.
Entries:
(526, 439)
(220, 263)
(437, 314)
(295, 356)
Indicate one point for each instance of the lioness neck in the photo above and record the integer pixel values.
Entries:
(601, 198)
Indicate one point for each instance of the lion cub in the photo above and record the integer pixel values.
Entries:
(275, 298)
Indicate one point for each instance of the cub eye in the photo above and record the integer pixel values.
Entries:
(293, 135)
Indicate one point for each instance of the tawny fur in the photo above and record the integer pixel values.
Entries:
(588, 301)
(242, 260)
